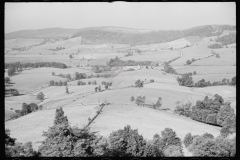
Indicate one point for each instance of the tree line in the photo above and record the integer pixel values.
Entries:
(187, 80)
(227, 39)
(118, 62)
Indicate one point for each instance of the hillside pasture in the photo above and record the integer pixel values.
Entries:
(21, 42)
(34, 78)
(207, 70)
(190, 53)
(30, 127)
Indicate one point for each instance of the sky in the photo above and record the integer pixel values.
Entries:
(153, 16)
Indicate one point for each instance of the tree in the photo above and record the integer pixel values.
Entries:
(11, 71)
(188, 139)
(194, 73)
(53, 73)
(89, 82)
(40, 96)
(60, 83)
(64, 83)
(229, 126)
(169, 138)
(159, 103)
(67, 89)
(106, 87)
(7, 80)
(233, 82)
(225, 112)
(33, 107)
(51, 83)
(96, 89)
(55, 83)
(99, 88)
(188, 62)
(127, 142)
(212, 119)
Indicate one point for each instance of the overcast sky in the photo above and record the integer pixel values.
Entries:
(156, 16)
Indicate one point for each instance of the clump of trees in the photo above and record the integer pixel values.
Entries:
(140, 100)
(60, 83)
(188, 62)
(185, 80)
(100, 68)
(79, 83)
(151, 80)
(169, 69)
(26, 109)
(215, 46)
(118, 62)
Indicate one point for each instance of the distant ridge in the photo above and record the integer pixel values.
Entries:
(121, 35)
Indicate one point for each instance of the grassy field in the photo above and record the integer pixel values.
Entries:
(31, 127)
